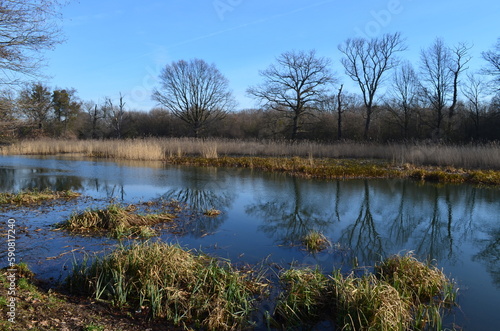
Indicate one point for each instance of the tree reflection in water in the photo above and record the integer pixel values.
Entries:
(374, 219)
(490, 254)
(290, 217)
(204, 189)
(362, 235)
(22, 179)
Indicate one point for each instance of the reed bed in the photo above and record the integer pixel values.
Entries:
(165, 281)
(486, 156)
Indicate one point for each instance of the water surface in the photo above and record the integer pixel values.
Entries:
(265, 215)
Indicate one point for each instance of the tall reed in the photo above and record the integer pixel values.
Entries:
(486, 156)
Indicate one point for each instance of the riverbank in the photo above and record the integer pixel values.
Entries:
(136, 287)
(484, 157)
(475, 164)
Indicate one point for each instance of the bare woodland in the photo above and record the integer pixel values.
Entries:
(301, 96)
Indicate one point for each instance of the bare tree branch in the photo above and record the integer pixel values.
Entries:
(195, 92)
(26, 29)
(493, 66)
(366, 62)
(296, 84)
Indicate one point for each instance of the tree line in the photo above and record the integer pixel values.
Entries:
(299, 95)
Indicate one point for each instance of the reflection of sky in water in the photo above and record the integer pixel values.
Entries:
(264, 215)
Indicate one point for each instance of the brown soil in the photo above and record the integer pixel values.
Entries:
(40, 309)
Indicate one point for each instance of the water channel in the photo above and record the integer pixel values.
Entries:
(264, 216)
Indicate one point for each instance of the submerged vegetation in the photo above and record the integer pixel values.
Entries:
(31, 197)
(117, 221)
(166, 281)
(477, 164)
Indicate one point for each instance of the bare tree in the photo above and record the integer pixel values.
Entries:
(366, 62)
(403, 96)
(26, 28)
(458, 62)
(8, 123)
(474, 92)
(437, 79)
(195, 92)
(339, 103)
(493, 66)
(96, 115)
(116, 114)
(296, 84)
(340, 111)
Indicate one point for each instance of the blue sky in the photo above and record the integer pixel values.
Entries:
(115, 46)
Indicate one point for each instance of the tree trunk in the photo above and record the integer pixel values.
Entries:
(339, 111)
(295, 128)
(367, 122)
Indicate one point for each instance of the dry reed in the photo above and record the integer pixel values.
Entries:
(485, 156)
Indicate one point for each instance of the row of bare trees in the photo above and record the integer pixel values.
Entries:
(301, 83)
(299, 93)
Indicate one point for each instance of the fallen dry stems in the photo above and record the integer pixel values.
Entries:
(35, 197)
(116, 221)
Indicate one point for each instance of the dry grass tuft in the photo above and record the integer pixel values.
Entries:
(116, 220)
(365, 303)
(403, 294)
(315, 241)
(183, 287)
(413, 279)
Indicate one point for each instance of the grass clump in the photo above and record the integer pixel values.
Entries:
(169, 282)
(366, 303)
(35, 197)
(315, 241)
(402, 294)
(427, 288)
(305, 297)
(116, 220)
(414, 279)
(22, 270)
(212, 212)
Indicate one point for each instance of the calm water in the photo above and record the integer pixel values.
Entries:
(264, 215)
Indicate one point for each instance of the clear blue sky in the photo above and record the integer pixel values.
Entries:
(115, 46)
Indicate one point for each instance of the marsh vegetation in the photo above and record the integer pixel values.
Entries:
(402, 294)
(35, 197)
(166, 281)
(188, 288)
(479, 164)
(116, 221)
